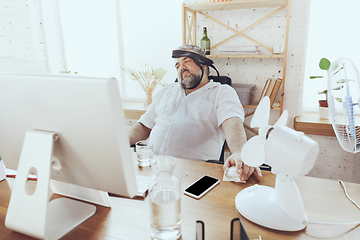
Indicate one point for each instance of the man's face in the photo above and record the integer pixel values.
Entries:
(188, 71)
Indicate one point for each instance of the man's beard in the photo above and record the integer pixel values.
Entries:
(190, 82)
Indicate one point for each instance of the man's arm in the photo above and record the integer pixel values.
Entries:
(138, 132)
(236, 138)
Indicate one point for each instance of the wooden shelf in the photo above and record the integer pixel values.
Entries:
(245, 56)
(133, 110)
(238, 4)
(190, 28)
(310, 123)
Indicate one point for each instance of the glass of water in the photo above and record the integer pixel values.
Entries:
(144, 152)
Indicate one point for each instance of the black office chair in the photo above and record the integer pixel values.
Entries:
(222, 80)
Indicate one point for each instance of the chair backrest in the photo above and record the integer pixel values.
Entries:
(221, 79)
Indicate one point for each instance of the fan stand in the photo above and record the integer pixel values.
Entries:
(281, 208)
(31, 213)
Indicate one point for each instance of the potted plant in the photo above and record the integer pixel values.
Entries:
(324, 64)
(148, 79)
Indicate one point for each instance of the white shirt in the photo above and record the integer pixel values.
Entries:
(189, 126)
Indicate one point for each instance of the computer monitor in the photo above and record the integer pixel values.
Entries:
(68, 128)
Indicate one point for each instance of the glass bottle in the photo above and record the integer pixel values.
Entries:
(165, 199)
(205, 42)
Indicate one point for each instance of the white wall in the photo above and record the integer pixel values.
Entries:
(21, 31)
(21, 36)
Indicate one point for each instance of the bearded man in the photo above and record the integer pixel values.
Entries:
(192, 117)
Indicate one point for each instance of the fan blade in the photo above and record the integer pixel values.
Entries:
(282, 120)
(262, 113)
(253, 152)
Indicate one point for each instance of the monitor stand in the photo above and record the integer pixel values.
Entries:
(30, 212)
(82, 193)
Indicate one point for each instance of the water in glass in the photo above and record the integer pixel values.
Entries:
(165, 200)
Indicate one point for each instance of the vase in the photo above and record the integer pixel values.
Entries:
(2, 171)
(323, 112)
(323, 109)
(148, 99)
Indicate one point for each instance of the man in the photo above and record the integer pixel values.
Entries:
(192, 117)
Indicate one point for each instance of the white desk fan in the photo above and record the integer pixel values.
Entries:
(343, 97)
(290, 154)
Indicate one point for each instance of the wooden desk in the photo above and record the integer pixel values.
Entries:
(129, 219)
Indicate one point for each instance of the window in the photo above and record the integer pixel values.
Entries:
(97, 37)
(150, 34)
(333, 32)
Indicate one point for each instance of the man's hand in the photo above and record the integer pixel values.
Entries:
(244, 170)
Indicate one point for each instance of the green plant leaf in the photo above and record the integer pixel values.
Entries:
(338, 99)
(314, 77)
(324, 64)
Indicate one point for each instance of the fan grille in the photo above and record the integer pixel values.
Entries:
(343, 97)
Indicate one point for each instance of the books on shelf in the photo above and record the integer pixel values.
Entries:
(239, 53)
(271, 88)
(239, 50)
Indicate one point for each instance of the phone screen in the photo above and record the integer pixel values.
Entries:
(200, 186)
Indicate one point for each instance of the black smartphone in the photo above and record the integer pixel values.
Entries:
(201, 186)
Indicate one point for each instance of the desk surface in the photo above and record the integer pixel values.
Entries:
(324, 200)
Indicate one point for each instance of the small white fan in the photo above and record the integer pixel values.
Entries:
(343, 96)
(290, 154)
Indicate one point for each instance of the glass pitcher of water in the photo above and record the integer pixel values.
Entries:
(165, 200)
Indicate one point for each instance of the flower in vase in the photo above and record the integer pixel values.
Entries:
(148, 79)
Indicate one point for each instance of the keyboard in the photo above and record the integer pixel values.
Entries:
(142, 185)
